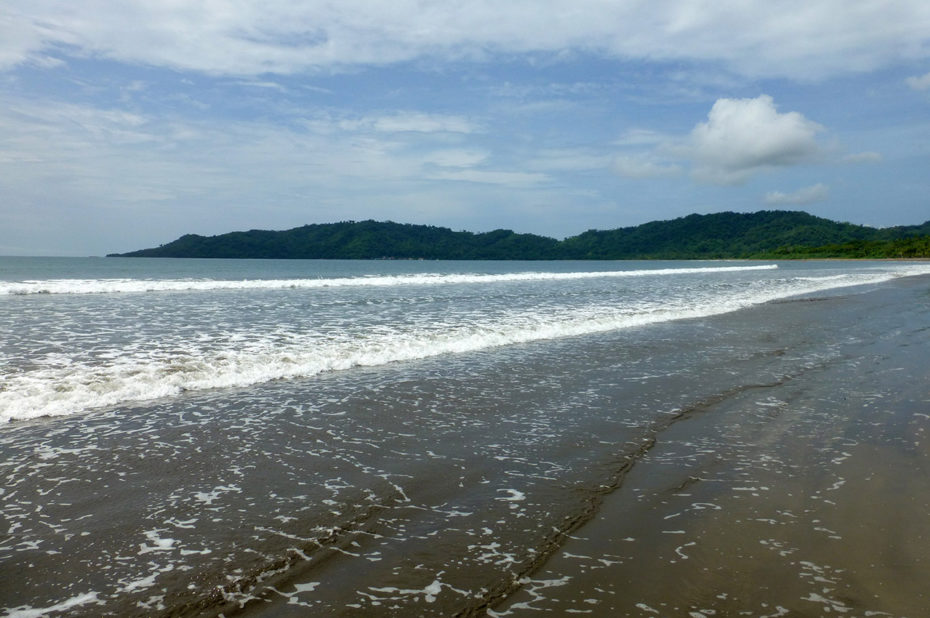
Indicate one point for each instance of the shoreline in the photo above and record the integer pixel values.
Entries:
(604, 474)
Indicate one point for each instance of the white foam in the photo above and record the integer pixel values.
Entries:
(139, 584)
(208, 498)
(76, 601)
(432, 591)
(513, 495)
(158, 543)
(147, 372)
(110, 286)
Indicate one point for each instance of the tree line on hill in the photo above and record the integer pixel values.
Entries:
(726, 235)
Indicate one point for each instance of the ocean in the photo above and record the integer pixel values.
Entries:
(205, 437)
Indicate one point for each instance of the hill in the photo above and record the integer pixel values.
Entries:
(359, 240)
(764, 234)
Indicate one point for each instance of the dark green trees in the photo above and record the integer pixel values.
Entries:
(765, 234)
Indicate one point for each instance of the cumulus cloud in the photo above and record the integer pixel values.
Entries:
(921, 82)
(807, 195)
(793, 38)
(744, 136)
(643, 167)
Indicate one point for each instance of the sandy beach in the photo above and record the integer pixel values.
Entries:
(763, 462)
(803, 495)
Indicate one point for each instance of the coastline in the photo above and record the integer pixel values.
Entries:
(805, 495)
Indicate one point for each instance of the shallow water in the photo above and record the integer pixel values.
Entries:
(89, 334)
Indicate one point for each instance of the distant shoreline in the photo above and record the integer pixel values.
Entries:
(761, 235)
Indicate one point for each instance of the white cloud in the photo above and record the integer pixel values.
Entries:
(399, 122)
(921, 82)
(643, 167)
(416, 122)
(106, 168)
(807, 195)
(263, 84)
(863, 157)
(455, 158)
(794, 38)
(744, 136)
(87, 126)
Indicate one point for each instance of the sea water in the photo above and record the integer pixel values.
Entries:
(197, 436)
(87, 334)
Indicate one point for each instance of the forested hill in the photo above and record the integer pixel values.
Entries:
(764, 234)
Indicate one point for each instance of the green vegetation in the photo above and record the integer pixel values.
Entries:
(360, 240)
(764, 234)
(904, 248)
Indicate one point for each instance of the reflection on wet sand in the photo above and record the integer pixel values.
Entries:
(809, 497)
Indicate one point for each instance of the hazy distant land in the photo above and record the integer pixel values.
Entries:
(763, 234)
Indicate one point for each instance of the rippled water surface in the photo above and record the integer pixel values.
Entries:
(87, 334)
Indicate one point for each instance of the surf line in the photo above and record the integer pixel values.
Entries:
(113, 286)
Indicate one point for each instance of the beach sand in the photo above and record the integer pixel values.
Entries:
(808, 495)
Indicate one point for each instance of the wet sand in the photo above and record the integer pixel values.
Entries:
(808, 495)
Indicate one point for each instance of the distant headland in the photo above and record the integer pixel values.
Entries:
(768, 234)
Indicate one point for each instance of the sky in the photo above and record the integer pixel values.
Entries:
(126, 124)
